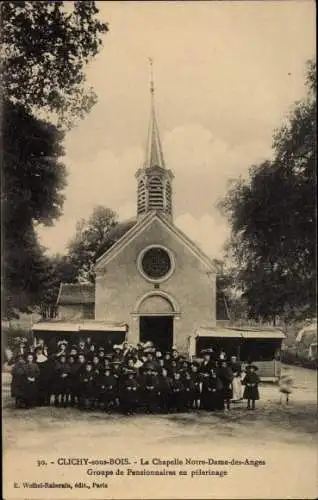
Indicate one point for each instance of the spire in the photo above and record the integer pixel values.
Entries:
(154, 181)
(154, 154)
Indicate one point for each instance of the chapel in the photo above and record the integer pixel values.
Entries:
(154, 283)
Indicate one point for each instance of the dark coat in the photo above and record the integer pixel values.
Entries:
(212, 394)
(86, 384)
(189, 389)
(129, 392)
(106, 387)
(177, 398)
(206, 367)
(225, 375)
(236, 368)
(251, 381)
(18, 380)
(31, 374)
(197, 379)
(62, 378)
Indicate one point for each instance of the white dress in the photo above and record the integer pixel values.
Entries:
(237, 387)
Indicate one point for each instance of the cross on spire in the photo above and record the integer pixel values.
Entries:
(152, 85)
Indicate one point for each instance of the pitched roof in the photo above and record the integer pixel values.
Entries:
(141, 226)
(76, 293)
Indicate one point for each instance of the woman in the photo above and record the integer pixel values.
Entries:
(41, 360)
(18, 382)
(31, 377)
(236, 382)
(225, 375)
(164, 391)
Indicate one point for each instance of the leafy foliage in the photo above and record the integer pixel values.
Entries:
(90, 235)
(273, 220)
(46, 46)
(33, 183)
(59, 269)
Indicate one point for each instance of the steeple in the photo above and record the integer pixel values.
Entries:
(154, 191)
(154, 154)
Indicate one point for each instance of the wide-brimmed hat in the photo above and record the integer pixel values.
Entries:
(62, 342)
(251, 367)
(147, 344)
(118, 346)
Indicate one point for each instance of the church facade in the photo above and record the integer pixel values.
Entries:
(154, 279)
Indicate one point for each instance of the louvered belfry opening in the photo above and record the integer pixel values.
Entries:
(154, 190)
(154, 179)
(155, 187)
(141, 198)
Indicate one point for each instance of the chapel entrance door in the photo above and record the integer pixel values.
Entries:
(157, 329)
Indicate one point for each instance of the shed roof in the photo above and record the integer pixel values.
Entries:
(242, 333)
(78, 325)
(76, 293)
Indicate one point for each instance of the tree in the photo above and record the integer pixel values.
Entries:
(46, 47)
(90, 234)
(60, 269)
(32, 187)
(272, 214)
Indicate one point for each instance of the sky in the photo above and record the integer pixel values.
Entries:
(226, 75)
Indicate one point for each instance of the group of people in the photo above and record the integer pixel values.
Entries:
(129, 378)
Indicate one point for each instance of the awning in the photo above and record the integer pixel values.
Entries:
(103, 327)
(87, 326)
(54, 327)
(217, 333)
(239, 333)
(266, 335)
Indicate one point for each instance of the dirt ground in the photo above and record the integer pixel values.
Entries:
(285, 438)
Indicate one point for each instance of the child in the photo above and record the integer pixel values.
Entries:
(177, 393)
(197, 382)
(251, 381)
(129, 393)
(285, 383)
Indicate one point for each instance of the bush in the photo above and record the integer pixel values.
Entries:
(291, 357)
(11, 337)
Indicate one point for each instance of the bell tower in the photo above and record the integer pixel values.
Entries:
(154, 181)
